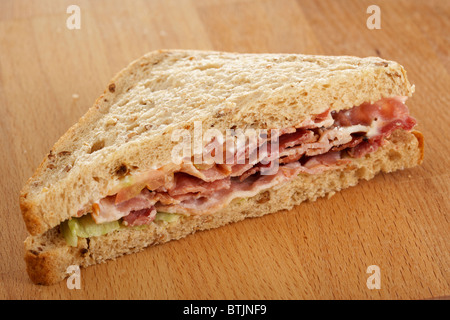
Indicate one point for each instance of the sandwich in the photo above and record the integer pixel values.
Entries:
(182, 141)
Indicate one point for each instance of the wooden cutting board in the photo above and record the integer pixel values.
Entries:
(50, 75)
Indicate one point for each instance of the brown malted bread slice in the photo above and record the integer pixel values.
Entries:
(128, 130)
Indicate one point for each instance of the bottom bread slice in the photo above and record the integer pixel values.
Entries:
(47, 256)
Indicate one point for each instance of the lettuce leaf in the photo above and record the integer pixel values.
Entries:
(168, 217)
(85, 227)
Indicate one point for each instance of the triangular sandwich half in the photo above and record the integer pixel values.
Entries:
(182, 141)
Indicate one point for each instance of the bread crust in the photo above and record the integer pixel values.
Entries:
(421, 141)
(47, 256)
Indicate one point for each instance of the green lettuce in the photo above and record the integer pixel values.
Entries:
(168, 217)
(85, 227)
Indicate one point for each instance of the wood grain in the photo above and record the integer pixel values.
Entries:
(50, 75)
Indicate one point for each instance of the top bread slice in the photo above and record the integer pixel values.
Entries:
(129, 127)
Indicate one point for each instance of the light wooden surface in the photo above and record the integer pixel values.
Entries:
(50, 75)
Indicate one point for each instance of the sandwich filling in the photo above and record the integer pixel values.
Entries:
(326, 141)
